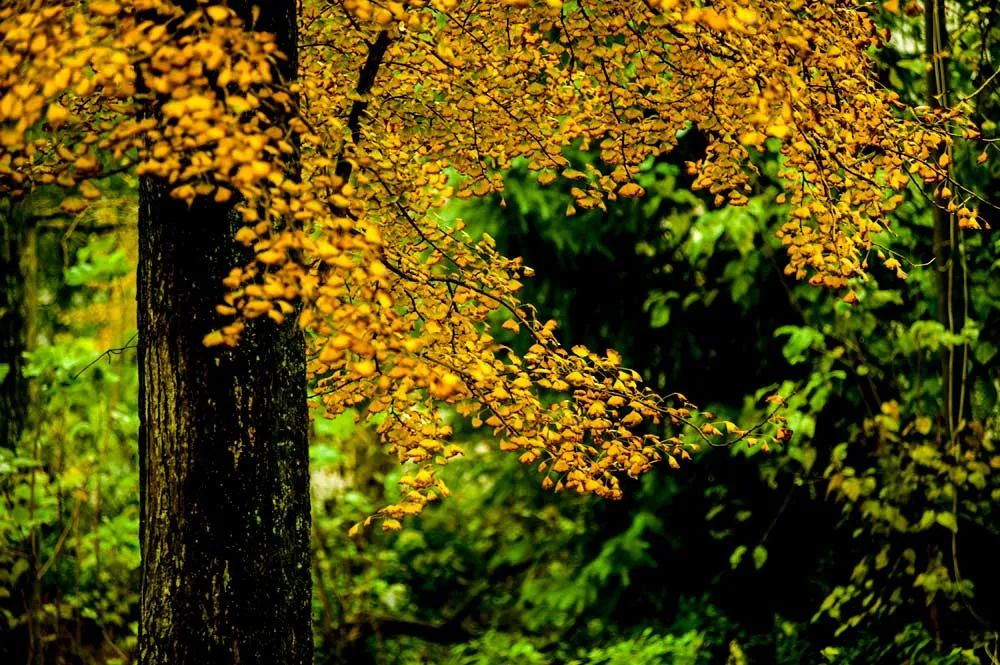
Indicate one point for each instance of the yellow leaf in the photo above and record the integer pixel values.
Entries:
(246, 235)
(218, 13)
(431, 445)
(213, 338)
(104, 8)
(56, 115)
(364, 368)
(522, 382)
(511, 325)
(73, 205)
(38, 44)
(631, 190)
(86, 163)
(632, 419)
(270, 257)
(184, 193)
(778, 131)
(714, 19)
(391, 525)
(89, 191)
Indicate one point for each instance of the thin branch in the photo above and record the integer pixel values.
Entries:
(117, 351)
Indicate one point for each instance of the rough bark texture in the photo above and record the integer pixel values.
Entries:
(13, 326)
(223, 452)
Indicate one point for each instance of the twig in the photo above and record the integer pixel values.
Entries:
(117, 351)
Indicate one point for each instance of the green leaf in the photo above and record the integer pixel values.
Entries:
(759, 556)
(800, 339)
(737, 556)
(830, 653)
(660, 316)
(808, 458)
(983, 351)
(948, 521)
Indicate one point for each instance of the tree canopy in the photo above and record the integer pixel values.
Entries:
(398, 108)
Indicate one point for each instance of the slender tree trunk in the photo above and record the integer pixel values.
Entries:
(951, 295)
(223, 452)
(13, 327)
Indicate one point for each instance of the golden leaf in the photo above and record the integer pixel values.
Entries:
(364, 368)
(89, 191)
(104, 8)
(56, 115)
(391, 525)
(73, 205)
(630, 190)
(213, 338)
(218, 13)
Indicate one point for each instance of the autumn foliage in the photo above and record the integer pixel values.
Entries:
(342, 177)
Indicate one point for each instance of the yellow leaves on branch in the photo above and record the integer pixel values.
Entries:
(401, 107)
(626, 78)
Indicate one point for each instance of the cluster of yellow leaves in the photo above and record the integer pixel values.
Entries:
(59, 68)
(473, 86)
(453, 94)
(88, 89)
(400, 107)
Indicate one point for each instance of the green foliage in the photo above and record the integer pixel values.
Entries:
(69, 505)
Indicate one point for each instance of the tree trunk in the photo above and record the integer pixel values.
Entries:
(224, 477)
(951, 295)
(13, 327)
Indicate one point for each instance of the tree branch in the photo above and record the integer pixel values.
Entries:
(365, 82)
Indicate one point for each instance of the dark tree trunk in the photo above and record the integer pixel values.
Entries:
(224, 472)
(13, 327)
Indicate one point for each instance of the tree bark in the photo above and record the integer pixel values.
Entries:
(224, 476)
(13, 327)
